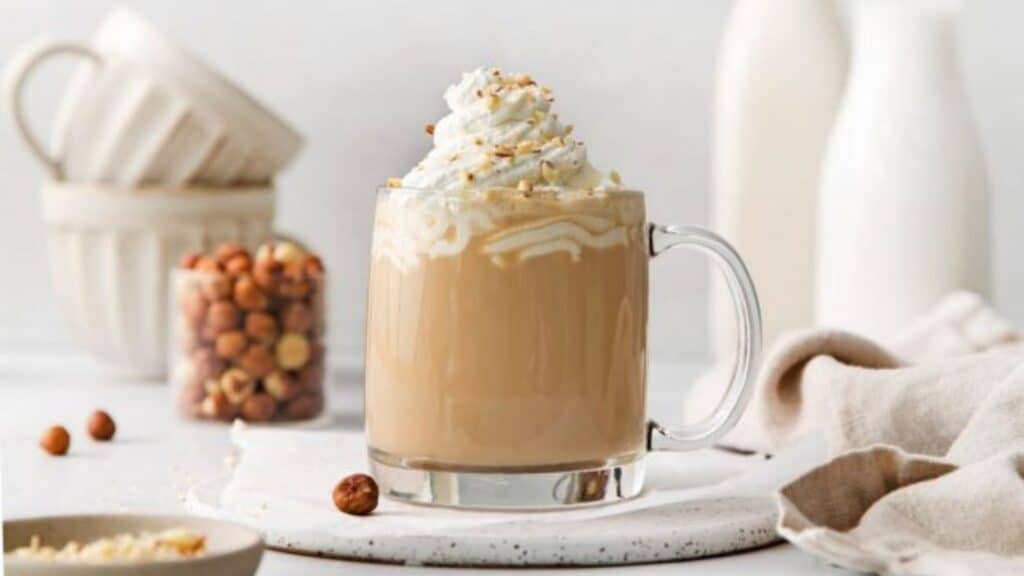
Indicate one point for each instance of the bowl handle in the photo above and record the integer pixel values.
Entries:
(18, 71)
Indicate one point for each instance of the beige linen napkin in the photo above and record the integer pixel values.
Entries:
(927, 435)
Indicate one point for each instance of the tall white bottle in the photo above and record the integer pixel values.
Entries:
(904, 204)
(781, 71)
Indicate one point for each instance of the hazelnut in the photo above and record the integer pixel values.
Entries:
(281, 385)
(190, 399)
(187, 338)
(258, 361)
(55, 441)
(193, 306)
(101, 426)
(297, 317)
(218, 407)
(259, 408)
(215, 286)
(206, 364)
(208, 264)
(236, 385)
(229, 250)
(230, 344)
(188, 260)
(222, 316)
(208, 334)
(248, 295)
(238, 265)
(261, 327)
(266, 272)
(304, 407)
(356, 494)
(314, 267)
(288, 253)
(311, 377)
(294, 289)
(292, 351)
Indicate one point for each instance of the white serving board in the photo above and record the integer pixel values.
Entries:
(695, 505)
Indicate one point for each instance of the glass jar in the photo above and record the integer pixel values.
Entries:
(248, 335)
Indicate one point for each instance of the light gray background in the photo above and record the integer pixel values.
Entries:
(360, 79)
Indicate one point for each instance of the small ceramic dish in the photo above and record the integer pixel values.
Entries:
(231, 549)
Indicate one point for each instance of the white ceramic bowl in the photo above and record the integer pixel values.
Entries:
(232, 550)
(141, 110)
(111, 252)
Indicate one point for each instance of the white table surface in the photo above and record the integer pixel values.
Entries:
(155, 456)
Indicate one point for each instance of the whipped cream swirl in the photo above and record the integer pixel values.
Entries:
(501, 133)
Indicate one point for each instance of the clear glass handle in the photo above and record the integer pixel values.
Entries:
(748, 347)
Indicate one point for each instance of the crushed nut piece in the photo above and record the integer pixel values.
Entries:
(549, 172)
(429, 129)
(615, 178)
(525, 185)
(394, 182)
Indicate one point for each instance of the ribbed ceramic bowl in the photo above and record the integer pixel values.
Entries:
(111, 251)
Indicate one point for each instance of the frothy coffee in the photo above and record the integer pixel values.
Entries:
(506, 326)
(507, 331)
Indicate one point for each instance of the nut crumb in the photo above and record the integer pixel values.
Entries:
(394, 182)
(429, 128)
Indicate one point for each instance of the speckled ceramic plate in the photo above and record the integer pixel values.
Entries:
(232, 550)
(679, 516)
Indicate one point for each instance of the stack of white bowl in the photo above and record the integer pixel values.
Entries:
(154, 154)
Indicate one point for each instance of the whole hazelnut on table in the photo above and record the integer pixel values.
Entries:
(356, 494)
(55, 441)
(101, 426)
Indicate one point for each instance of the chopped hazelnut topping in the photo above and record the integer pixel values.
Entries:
(615, 178)
(548, 172)
(429, 128)
(522, 80)
(525, 185)
(538, 115)
(478, 141)
(503, 152)
(394, 182)
(467, 177)
(525, 147)
(492, 102)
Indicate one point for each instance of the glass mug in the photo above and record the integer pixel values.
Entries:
(506, 346)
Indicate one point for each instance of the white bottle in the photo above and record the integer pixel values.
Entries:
(904, 205)
(781, 71)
